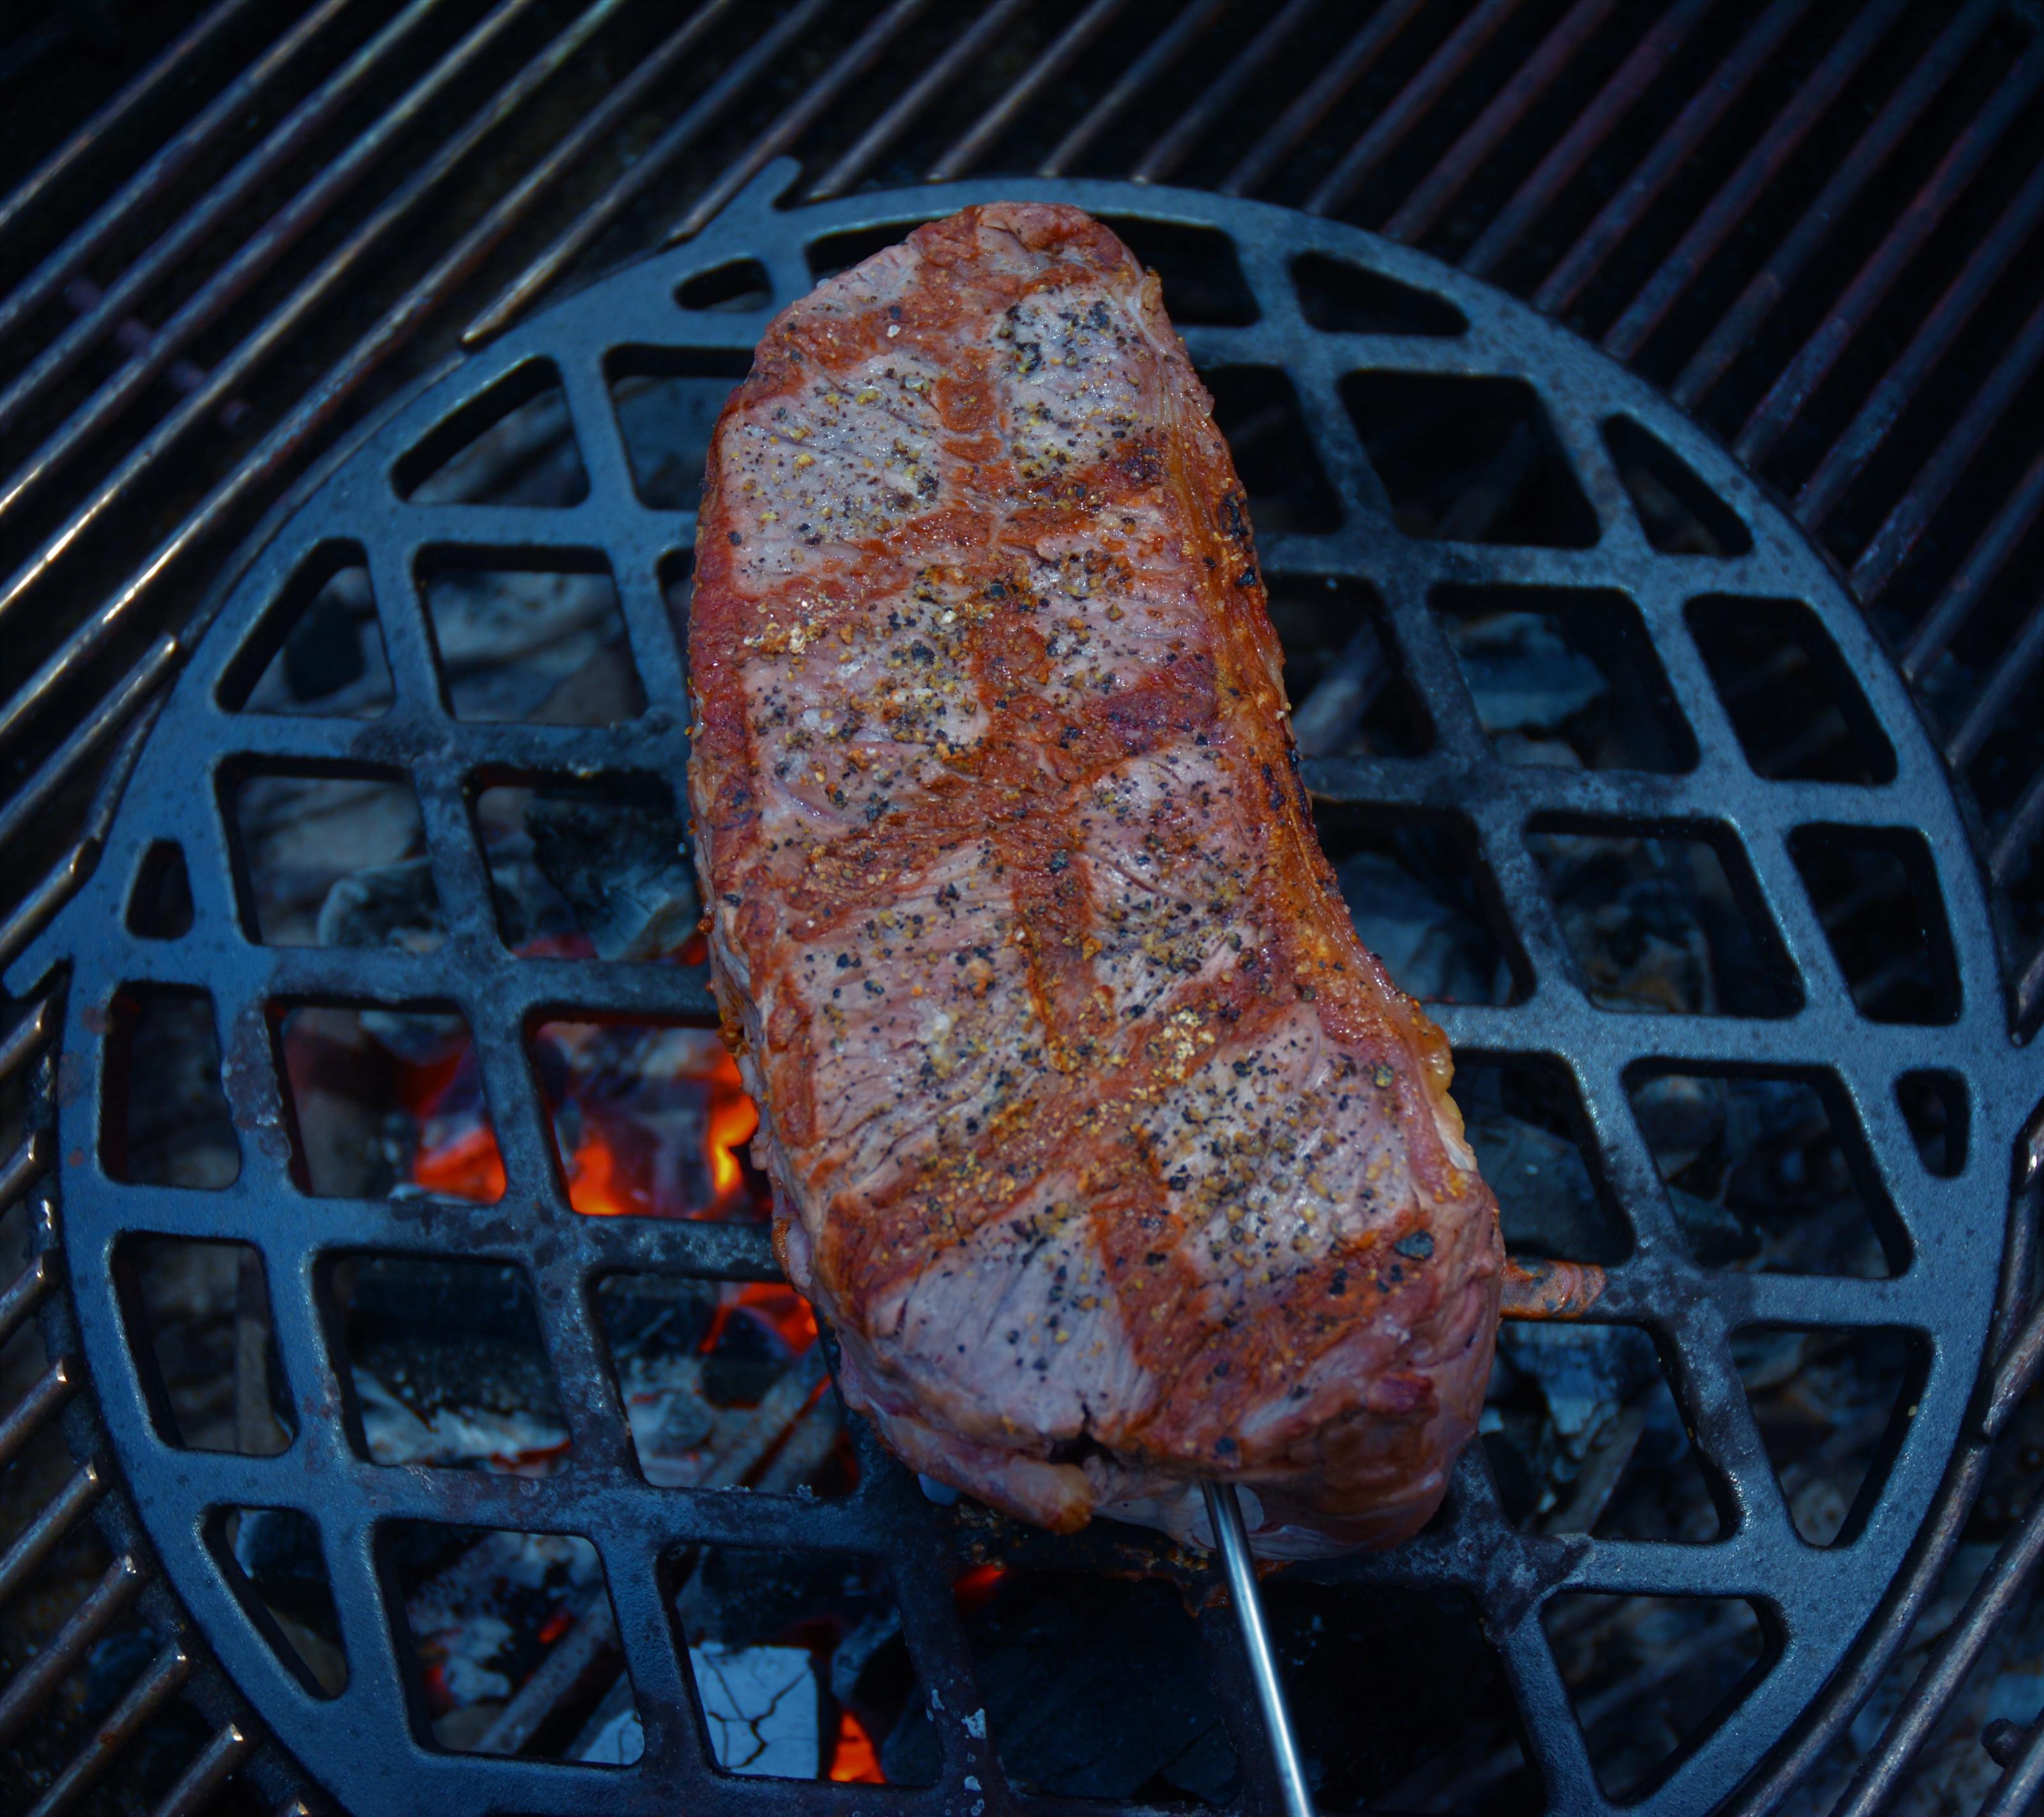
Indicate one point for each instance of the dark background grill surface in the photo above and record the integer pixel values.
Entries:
(1807, 223)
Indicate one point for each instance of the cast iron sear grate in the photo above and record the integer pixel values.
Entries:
(1344, 365)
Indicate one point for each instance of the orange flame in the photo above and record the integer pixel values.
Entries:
(974, 1589)
(792, 1318)
(855, 1761)
(592, 1185)
(469, 1167)
(734, 1120)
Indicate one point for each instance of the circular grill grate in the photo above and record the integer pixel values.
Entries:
(1359, 351)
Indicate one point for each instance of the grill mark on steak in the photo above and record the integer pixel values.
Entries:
(1095, 1132)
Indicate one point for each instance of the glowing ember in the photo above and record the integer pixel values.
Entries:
(734, 1120)
(780, 1310)
(469, 1167)
(855, 1760)
(650, 1121)
(974, 1589)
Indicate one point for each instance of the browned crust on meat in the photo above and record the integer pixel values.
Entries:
(1337, 1376)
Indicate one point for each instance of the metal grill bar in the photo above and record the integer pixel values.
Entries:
(54, 1520)
(1347, 68)
(32, 1286)
(220, 204)
(1614, 222)
(795, 119)
(208, 1772)
(1889, 546)
(104, 1604)
(962, 52)
(2012, 671)
(1736, 197)
(1880, 1775)
(1985, 560)
(1847, 456)
(968, 150)
(259, 253)
(1421, 209)
(1166, 49)
(158, 78)
(155, 177)
(700, 116)
(1589, 129)
(1898, 113)
(321, 404)
(1463, 44)
(160, 1681)
(2018, 833)
(1785, 398)
(1176, 144)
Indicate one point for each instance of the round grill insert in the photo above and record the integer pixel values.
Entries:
(1441, 482)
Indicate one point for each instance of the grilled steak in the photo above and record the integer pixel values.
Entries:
(1112, 1157)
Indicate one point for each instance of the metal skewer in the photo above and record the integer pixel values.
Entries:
(1231, 1540)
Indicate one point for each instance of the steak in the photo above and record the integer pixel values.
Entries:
(1112, 1157)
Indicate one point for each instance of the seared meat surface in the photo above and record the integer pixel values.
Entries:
(1114, 1159)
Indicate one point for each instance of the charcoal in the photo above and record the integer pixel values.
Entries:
(1095, 1687)
(623, 868)
(389, 906)
(322, 654)
(1382, 1681)
(1434, 949)
(1525, 676)
(1680, 1115)
(738, 1597)
(278, 1552)
(1717, 1236)
(1547, 1204)
(1585, 1373)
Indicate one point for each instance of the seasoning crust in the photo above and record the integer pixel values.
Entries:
(1112, 1157)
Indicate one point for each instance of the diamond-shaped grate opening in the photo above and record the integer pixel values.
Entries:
(1833, 1408)
(511, 444)
(1488, 447)
(1679, 514)
(1094, 1688)
(532, 637)
(1652, 1677)
(1350, 695)
(1422, 903)
(1400, 1699)
(406, 1329)
(584, 867)
(1663, 923)
(330, 857)
(1346, 298)
(1469, 459)
(164, 1119)
(1875, 892)
(1769, 1174)
(192, 1309)
(1525, 1118)
(1798, 713)
(273, 1561)
(159, 906)
(319, 651)
(1586, 1434)
(725, 1386)
(386, 1103)
(512, 1638)
(668, 401)
(1565, 676)
(798, 1666)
